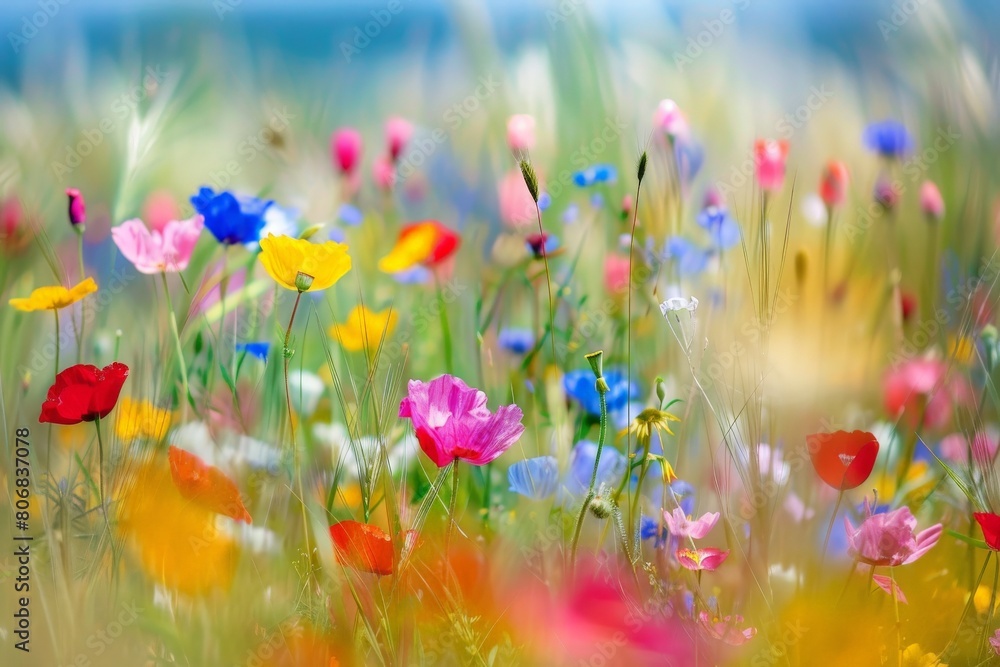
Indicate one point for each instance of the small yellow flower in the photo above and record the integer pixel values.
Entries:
(649, 420)
(300, 265)
(55, 297)
(914, 656)
(141, 419)
(364, 329)
(961, 349)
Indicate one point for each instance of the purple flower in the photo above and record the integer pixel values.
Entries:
(889, 538)
(451, 421)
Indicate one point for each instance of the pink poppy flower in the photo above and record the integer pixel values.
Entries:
(452, 421)
(727, 629)
(154, 251)
(345, 147)
(918, 389)
(398, 132)
(520, 133)
(384, 173)
(889, 538)
(995, 642)
(685, 527)
(709, 558)
(769, 158)
(890, 587)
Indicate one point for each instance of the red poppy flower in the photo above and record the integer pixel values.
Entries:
(990, 523)
(841, 459)
(206, 485)
(83, 393)
(363, 546)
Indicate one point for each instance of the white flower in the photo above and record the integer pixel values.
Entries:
(814, 210)
(305, 389)
(677, 303)
(355, 456)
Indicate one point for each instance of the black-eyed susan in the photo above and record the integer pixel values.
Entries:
(54, 297)
(303, 266)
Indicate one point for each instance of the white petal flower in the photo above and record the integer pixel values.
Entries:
(678, 303)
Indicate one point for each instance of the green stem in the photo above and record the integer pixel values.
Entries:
(445, 329)
(287, 353)
(634, 509)
(56, 373)
(79, 338)
(829, 529)
(593, 477)
(548, 282)
(100, 459)
(452, 519)
(177, 342)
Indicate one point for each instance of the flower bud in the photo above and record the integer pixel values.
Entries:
(77, 208)
(345, 146)
(303, 281)
(520, 133)
(931, 202)
(600, 507)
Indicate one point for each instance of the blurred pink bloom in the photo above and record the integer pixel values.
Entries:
(797, 509)
(398, 132)
(345, 147)
(384, 173)
(452, 422)
(955, 447)
(888, 538)
(931, 202)
(727, 629)
(995, 642)
(918, 388)
(669, 119)
(684, 527)
(616, 273)
(627, 203)
(159, 209)
(517, 208)
(154, 251)
(769, 158)
(709, 558)
(521, 133)
(713, 198)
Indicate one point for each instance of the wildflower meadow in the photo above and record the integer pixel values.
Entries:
(456, 333)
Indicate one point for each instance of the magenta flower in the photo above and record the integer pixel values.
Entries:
(681, 525)
(77, 207)
(995, 642)
(398, 132)
(889, 538)
(669, 119)
(345, 146)
(931, 202)
(154, 251)
(452, 421)
(709, 558)
(727, 629)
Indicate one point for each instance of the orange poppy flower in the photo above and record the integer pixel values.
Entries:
(363, 546)
(841, 459)
(206, 485)
(427, 242)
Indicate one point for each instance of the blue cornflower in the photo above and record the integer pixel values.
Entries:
(690, 259)
(535, 478)
(580, 385)
(723, 227)
(683, 494)
(231, 219)
(544, 201)
(888, 138)
(257, 349)
(571, 213)
(518, 341)
(648, 527)
(598, 173)
(350, 215)
(689, 156)
(581, 466)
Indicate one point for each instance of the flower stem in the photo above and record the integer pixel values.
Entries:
(445, 329)
(56, 372)
(177, 342)
(829, 529)
(548, 282)
(79, 337)
(593, 477)
(287, 353)
(100, 459)
(451, 509)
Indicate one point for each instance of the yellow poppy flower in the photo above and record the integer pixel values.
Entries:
(299, 265)
(141, 419)
(55, 296)
(412, 248)
(364, 329)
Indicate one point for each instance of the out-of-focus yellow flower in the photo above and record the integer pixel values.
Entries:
(914, 656)
(411, 249)
(55, 297)
(885, 485)
(177, 542)
(141, 419)
(364, 329)
(961, 349)
(299, 265)
(982, 599)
